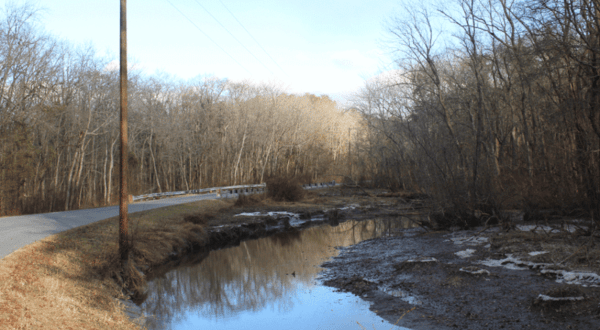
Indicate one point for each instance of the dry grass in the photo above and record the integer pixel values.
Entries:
(68, 280)
(249, 200)
(46, 285)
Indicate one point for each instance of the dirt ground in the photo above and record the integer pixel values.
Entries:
(494, 283)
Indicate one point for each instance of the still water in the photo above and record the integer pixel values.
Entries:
(267, 283)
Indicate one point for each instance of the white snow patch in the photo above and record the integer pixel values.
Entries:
(537, 253)
(252, 214)
(258, 214)
(294, 222)
(466, 253)
(294, 217)
(475, 272)
(431, 259)
(548, 298)
(573, 277)
(548, 229)
(473, 240)
(349, 207)
(532, 227)
(509, 262)
(562, 276)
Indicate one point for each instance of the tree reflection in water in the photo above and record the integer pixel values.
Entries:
(245, 278)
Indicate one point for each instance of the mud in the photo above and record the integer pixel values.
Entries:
(421, 276)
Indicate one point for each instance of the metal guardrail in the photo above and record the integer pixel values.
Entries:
(319, 185)
(228, 190)
(218, 190)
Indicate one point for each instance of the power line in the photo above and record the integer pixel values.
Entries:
(209, 38)
(250, 34)
(236, 39)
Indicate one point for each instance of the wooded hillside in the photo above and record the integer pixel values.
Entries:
(493, 104)
(59, 116)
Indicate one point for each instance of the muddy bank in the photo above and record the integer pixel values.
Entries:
(256, 222)
(493, 280)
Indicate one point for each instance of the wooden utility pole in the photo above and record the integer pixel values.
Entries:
(349, 155)
(123, 231)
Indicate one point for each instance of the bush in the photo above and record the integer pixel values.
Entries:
(284, 189)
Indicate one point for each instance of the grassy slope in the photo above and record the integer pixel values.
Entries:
(64, 281)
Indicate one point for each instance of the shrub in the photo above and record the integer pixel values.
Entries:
(284, 189)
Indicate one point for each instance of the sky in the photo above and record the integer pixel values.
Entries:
(307, 46)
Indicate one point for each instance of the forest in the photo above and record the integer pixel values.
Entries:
(59, 127)
(491, 105)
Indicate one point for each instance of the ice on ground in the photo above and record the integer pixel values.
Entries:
(402, 295)
(475, 271)
(295, 222)
(349, 207)
(426, 259)
(252, 214)
(572, 277)
(537, 253)
(466, 253)
(549, 229)
(473, 240)
(548, 298)
(509, 262)
(258, 214)
(584, 279)
(294, 217)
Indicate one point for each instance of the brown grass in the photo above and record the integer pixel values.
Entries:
(198, 219)
(70, 280)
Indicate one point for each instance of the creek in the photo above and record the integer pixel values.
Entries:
(266, 283)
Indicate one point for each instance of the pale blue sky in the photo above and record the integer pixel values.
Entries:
(324, 47)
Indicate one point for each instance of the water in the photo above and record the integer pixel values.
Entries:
(267, 283)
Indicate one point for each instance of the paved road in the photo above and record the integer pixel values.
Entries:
(16, 232)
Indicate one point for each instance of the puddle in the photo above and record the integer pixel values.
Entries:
(268, 281)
